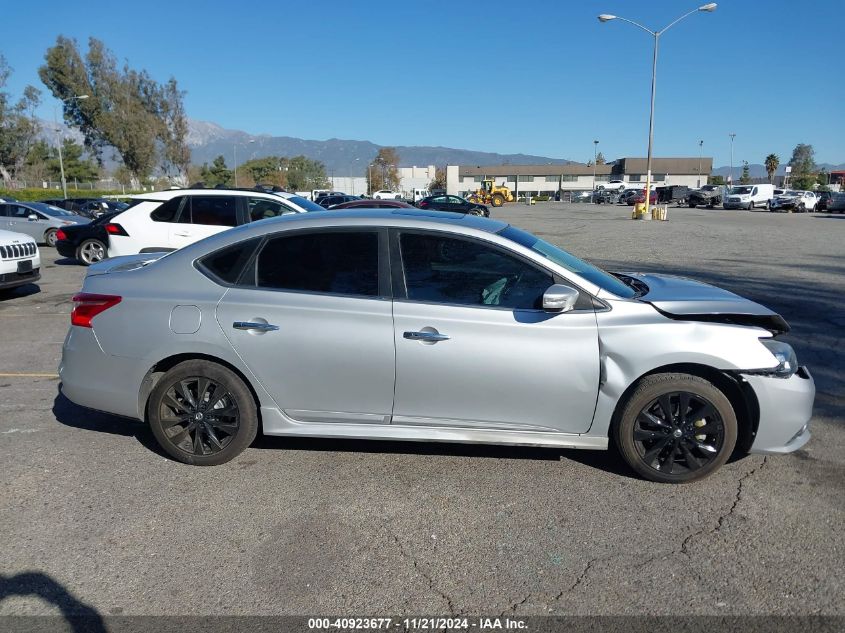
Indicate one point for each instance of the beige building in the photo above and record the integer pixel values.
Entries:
(549, 179)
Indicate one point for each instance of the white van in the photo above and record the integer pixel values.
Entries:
(749, 196)
(419, 194)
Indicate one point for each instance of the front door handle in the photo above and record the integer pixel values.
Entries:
(431, 337)
(251, 325)
(185, 234)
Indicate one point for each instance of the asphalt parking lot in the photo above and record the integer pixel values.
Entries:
(95, 517)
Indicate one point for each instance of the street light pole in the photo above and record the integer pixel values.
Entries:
(595, 157)
(700, 143)
(59, 139)
(710, 7)
(731, 174)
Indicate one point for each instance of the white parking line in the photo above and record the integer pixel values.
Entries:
(27, 375)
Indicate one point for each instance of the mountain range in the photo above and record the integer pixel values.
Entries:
(342, 157)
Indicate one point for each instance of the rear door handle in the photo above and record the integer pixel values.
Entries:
(251, 325)
(432, 337)
(186, 234)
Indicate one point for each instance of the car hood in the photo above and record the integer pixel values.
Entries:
(13, 236)
(687, 299)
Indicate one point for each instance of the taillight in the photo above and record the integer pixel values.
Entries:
(61, 235)
(86, 306)
(115, 229)
(423, 204)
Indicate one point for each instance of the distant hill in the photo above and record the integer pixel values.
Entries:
(208, 140)
(343, 157)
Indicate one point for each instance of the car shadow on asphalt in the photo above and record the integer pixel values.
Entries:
(72, 415)
(609, 461)
(80, 617)
(67, 261)
(829, 217)
(19, 292)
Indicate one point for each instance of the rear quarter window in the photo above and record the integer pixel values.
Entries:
(227, 264)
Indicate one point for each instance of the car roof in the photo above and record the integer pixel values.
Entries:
(39, 206)
(407, 218)
(169, 194)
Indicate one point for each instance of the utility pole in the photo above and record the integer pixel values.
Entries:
(700, 143)
(731, 175)
(595, 158)
(60, 140)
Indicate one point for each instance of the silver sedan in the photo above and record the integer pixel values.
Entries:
(38, 220)
(412, 325)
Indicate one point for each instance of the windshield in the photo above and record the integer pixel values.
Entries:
(305, 204)
(741, 190)
(591, 273)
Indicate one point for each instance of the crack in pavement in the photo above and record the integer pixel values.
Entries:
(449, 604)
(724, 516)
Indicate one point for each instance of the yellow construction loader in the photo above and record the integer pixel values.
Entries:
(492, 194)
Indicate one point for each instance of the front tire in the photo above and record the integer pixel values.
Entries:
(202, 413)
(498, 200)
(676, 428)
(50, 238)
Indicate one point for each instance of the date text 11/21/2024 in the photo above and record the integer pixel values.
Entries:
(420, 624)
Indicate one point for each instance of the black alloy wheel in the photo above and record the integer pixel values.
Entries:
(202, 413)
(676, 428)
(679, 432)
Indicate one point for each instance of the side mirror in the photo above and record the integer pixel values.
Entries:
(31, 217)
(559, 298)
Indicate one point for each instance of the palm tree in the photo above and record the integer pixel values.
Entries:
(772, 162)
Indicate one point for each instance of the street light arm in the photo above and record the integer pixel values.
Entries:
(669, 26)
(640, 26)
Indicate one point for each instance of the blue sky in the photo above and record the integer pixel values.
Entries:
(540, 77)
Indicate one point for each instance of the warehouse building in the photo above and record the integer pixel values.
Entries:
(548, 180)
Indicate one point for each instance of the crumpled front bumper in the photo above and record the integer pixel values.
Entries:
(786, 406)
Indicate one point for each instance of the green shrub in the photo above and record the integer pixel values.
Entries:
(33, 195)
(542, 198)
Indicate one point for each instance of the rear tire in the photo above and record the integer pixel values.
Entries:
(675, 428)
(90, 252)
(691, 205)
(50, 238)
(202, 413)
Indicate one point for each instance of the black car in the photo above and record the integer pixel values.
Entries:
(824, 200)
(328, 201)
(454, 204)
(837, 203)
(88, 207)
(87, 243)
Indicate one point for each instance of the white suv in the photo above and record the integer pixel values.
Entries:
(386, 194)
(20, 261)
(167, 220)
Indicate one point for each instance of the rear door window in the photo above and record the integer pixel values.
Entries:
(341, 262)
(212, 211)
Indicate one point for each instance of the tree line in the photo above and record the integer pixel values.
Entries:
(805, 174)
